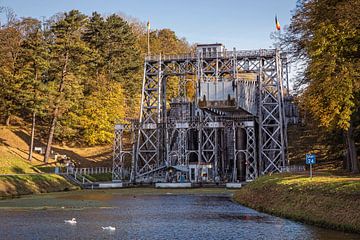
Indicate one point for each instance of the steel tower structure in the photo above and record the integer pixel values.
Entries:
(234, 129)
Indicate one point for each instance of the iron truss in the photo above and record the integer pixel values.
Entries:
(210, 136)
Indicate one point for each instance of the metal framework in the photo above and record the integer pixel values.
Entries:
(234, 128)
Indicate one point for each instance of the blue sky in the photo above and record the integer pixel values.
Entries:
(235, 23)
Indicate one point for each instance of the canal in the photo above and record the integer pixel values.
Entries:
(147, 214)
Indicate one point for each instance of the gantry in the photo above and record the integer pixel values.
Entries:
(234, 129)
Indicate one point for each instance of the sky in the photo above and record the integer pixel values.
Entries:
(235, 23)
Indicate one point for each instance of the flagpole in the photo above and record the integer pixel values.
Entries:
(148, 37)
(279, 36)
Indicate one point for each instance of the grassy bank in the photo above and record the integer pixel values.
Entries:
(326, 201)
(12, 164)
(15, 185)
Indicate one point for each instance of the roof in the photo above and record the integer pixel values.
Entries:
(210, 44)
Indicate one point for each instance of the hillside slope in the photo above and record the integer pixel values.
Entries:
(14, 149)
(310, 139)
(296, 196)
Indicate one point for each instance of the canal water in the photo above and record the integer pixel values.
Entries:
(167, 215)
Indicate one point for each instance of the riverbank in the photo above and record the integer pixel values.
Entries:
(326, 201)
(85, 199)
(24, 184)
(147, 213)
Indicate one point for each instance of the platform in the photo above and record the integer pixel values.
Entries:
(233, 185)
(173, 185)
(111, 185)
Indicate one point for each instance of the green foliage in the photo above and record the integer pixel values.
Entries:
(327, 33)
(78, 74)
(115, 57)
(331, 94)
(101, 111)
(10, 81)
(165, 41)
(33, 62)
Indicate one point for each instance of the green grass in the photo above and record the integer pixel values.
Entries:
(100, 177)
(10, 164)
(30, 184)
(328, 201)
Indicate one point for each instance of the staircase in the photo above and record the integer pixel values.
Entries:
(80, 181)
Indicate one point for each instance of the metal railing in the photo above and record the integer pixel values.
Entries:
(294, 168)
(222, 54)
(90, 171)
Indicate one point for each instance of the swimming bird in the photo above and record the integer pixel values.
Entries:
(110, 228)
(72, 221)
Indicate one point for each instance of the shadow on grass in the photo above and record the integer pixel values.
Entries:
(78, 159)
(3, 143)
(17, 170)
(30, 184)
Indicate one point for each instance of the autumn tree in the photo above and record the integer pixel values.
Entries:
(67, 55)
(32, 65)
(164, 42)
(114, 66)
(10, 48)
(325, 34)
(76, 75)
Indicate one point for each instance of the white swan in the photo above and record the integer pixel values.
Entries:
(72, 221)
(110, 228)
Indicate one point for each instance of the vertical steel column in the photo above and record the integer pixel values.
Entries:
(251, 161)
(118, 172)
(149, 137)
(155, 131)
(117, 152)
(260, 116)
(271, 119)
(234, 174)
(182, 146)
(280, 97)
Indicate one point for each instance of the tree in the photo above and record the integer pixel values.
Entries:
(68, 54)
(101, 110)
(76, 75)
(325, 34)
(116, 55)
(10, 47)
(32, 63)
(122, 57)
(165, 42)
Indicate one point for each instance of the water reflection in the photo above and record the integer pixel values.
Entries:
(156, 217)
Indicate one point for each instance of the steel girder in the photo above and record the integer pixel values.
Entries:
(271, 124)
(251, 164)
(153, 150)
(251, 160)
(177, 143)
(120, 152)
(149, 134)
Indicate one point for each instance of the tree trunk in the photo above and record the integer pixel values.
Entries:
(33, 117)
(32, 136)
(51, 134)
(7, 121)
(351, 149)
(346, 159)
(56, 109)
